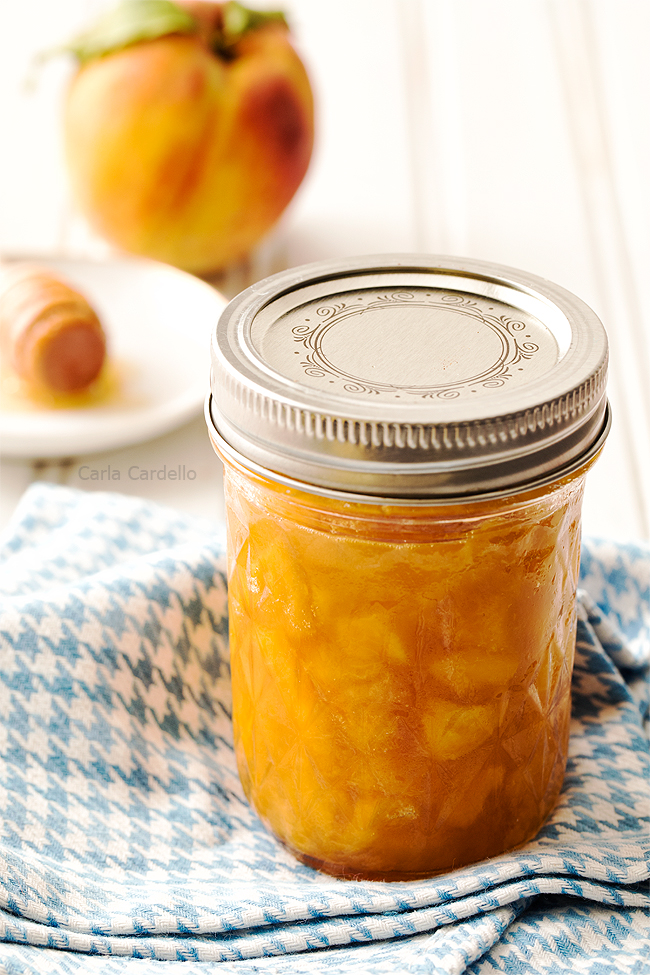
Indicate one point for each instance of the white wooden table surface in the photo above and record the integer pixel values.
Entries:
(515, 131)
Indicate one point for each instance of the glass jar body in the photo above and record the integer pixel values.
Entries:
(401, 674)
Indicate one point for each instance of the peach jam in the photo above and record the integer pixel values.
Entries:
(405, 443)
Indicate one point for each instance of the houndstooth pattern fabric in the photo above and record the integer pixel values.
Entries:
(126, 844)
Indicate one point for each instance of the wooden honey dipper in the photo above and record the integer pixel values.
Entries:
(49, 334)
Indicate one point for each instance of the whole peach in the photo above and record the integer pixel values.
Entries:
(187, 147)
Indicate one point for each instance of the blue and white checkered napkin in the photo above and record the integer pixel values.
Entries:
(127, 846)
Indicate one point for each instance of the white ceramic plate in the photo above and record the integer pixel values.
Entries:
(158, 322)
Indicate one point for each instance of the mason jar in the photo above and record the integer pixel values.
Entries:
(405, 442)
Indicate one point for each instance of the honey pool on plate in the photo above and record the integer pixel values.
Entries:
(17, 395)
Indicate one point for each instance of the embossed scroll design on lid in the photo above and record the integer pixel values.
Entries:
(512, 350)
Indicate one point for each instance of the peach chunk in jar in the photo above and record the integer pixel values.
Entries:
(401, 675)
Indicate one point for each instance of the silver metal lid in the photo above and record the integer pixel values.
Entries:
(409, 376)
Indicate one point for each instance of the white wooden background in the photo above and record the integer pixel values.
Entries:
(515, 131)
